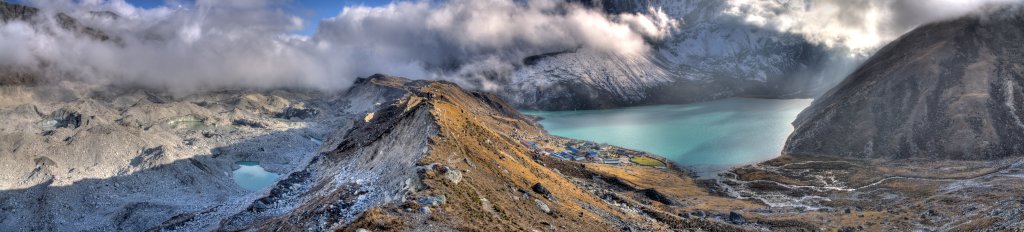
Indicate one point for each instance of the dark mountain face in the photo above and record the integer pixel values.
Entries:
(948, 90)
(10, 12)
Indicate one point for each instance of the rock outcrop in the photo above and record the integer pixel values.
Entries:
(948, 90)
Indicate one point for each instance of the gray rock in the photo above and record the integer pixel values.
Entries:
(453, 175)
(249, 123)
(148, 154)
(655, 195)
(412, 185)
(433, 200)
(62, 118)
(470, 163)
(297, 113)
(542, 206)
(259, 205)
(486, 205)
(538, 188)
(736, 218)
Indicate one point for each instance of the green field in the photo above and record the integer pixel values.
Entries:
(646, 161)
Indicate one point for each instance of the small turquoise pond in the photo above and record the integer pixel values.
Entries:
(252, 176)
(707, 137)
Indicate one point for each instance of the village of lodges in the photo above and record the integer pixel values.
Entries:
(586, 151)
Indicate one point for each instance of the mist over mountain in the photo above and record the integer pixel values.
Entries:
(216, 44)
(649, 50)
(860, 26)
(774, 49)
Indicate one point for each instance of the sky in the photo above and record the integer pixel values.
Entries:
(311, 11)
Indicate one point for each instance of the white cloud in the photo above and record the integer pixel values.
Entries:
(247, 44)
(479, 40)
(214, 44)
(858, 25)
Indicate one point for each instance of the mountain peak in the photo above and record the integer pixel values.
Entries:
(923, 94)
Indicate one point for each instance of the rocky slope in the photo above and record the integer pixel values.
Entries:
(422, 156)
(402, 155)
(80, 157)
(712, 55)
(948, 90)
(441, 158)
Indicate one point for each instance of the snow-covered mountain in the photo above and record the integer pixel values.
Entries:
(713, 54)
(585, 79)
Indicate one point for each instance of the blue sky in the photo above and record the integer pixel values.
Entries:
(311, 11)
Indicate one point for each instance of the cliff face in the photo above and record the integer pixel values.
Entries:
(949, 90)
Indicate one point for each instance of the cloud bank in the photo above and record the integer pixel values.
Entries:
(215, 44)
(859, 26)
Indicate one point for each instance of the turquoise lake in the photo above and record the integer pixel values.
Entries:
(251, 176)
(707, 137)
